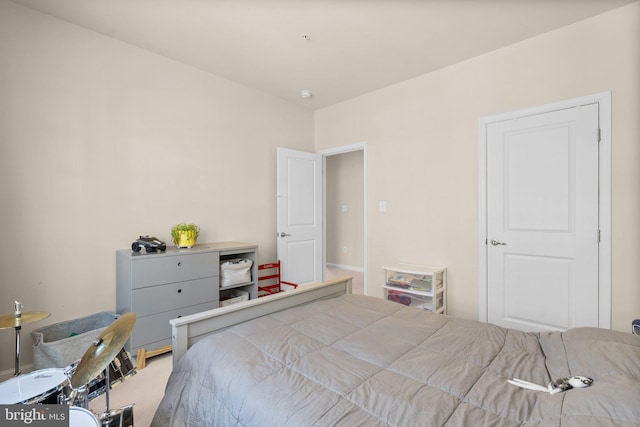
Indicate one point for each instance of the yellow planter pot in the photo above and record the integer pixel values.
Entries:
(185, 235)
(186, 239)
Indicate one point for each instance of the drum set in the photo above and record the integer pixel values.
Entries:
(103, 365)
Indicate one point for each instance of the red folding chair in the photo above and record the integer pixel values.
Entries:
(269, 281)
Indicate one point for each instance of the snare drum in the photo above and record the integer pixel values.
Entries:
(49, 386)
(120, 369)
(80, 417)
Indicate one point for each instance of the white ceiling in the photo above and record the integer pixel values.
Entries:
(355, 46)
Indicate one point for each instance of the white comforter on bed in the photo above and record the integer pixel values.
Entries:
(363, 361)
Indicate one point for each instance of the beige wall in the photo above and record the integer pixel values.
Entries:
(100, 142)
(422, 137)
(345, 229)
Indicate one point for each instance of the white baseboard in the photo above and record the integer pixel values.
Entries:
(346, 267)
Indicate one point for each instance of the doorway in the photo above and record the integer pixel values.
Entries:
(345, 214)
(545, 209)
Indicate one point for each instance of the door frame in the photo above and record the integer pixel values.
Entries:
(603, 99)
(359, 146)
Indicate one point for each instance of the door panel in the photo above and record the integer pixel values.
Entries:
(534, 280)
(301, 212)
(302, 257)
(300, 228)
(542, 204)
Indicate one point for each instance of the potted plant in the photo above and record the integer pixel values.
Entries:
(184, 235)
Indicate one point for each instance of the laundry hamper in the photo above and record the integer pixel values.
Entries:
(61, 344)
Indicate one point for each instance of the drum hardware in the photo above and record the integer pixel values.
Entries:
(120, 368)
(122, 417)
(97, 359)
(103, 350)
(80, 382)
(16, 320)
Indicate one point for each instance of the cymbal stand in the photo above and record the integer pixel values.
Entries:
(122, 417)
(18, 314)
(106, 416)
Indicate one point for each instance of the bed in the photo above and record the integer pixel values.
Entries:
(353, 360)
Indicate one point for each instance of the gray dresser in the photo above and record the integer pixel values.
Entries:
(167, 285)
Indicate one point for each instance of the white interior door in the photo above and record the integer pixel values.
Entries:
(542, 220)
(300, 226)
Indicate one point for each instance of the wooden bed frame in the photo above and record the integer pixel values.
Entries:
(187, 330)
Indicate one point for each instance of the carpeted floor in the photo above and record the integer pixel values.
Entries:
(144, 389)
(357, 286)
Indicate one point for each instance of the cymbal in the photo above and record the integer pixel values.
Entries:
(103, 350)
(11, 321)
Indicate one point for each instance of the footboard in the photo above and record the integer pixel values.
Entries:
(187, 330)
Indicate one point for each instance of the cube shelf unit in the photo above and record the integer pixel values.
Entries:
(417, 286)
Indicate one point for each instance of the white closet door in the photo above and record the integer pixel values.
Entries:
(542, 220)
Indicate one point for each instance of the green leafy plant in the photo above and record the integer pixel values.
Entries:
(185, 235)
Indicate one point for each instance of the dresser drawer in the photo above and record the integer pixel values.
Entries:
(156, 327)
(158, 270)
(156, 299)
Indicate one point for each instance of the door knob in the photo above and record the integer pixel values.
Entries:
(283, 234)
(495, 242)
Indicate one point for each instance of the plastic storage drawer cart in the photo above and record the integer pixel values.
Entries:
(417, 285)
